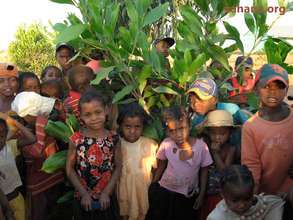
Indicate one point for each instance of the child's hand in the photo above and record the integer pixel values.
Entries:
(86, 202)
(104, 201)
(215, 147)
(59, 106)
(198, 202)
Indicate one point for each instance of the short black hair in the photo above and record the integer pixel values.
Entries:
(47, 68)
(174, 112)
(132, 110)
(53, 84)
(26, 75)
(236, 175)
(79, 70)
(90, 95)
(239, 60)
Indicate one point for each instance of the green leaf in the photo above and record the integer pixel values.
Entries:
(218, 54)
(235, 35)
(231, 48)
(197, 63)
(59, 27)
(68, 196)
(249, 20)
(203, 5)
(70, 33)
(281, 3)
(63, 1)
(131, 11)
(121, 94)
(151, 132)
(155, 14)
(55, 161)
(192, 19)
(187, 57)
(114, 16)
(127, 101)
(253, 100)
(164, 89)
(227, 86)
(142, 79)
(102, 74)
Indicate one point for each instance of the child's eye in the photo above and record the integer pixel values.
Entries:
(137, 126)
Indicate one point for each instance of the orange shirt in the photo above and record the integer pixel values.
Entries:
(267, 150)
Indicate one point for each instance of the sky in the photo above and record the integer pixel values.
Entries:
(16, 12)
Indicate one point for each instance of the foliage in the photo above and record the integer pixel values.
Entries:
(32, 50)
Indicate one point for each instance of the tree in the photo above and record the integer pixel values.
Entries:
(32, 49)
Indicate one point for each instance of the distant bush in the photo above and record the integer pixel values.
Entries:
(32, 49)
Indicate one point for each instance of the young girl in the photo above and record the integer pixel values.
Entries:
(43, 189)
(138, 158)
(178, 192)
(8, 85)
(29, 82)
(239, 201)
(218, 126)
(94, 162)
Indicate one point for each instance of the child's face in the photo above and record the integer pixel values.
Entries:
(31, 85)
(246, 75)
(3, 135)
(202, 107)
(8, 86)
(82, 82)
(219, 135)
(93, 114)
(178, 131)
(132, 128)
(51, 92)
(52, 73)
(238, 199)
(162, 46)
(272, 94)
(62, 57)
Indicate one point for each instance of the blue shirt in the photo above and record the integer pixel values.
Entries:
(239, 118)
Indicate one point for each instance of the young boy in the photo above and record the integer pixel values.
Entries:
(267, 141)
(64, 52)
(79, 79)
(163, 45)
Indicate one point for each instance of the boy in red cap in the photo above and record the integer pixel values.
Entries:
(267, 141)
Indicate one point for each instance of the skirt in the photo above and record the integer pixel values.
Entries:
(112, 213)
(166, 204)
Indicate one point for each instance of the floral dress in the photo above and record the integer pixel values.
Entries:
(94, 161)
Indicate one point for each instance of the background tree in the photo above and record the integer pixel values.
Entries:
(33, 49)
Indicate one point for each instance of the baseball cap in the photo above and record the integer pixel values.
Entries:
(8, 69)
(272, 72)
(64, 45)
(170, 41)
(205, 88)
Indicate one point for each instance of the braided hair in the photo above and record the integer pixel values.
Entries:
(236, 175)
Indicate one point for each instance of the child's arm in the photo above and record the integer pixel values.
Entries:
(86, 200)
(28, 136)
(160, 169)
(104, 198)
(202, 190)
(217, 155)
(6, 209)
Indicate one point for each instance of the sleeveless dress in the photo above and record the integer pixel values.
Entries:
(94, 167)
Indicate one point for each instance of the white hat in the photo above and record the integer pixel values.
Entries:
(31, 103)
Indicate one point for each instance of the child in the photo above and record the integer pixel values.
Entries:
(64, 52)
(204, 98)
(178, 192)
(52, 88)
(79, 79)
(29, 82)
(244, 81)
(10, 180)
(51, 72)
(163, 45)
(267, 136)
(218, 126)
(94, 162)
(8, 85)
(138, 158)
(43, 189)
(239, 200)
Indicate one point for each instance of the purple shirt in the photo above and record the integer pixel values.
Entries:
(182, 176)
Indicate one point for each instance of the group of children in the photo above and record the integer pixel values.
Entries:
(228, 171)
